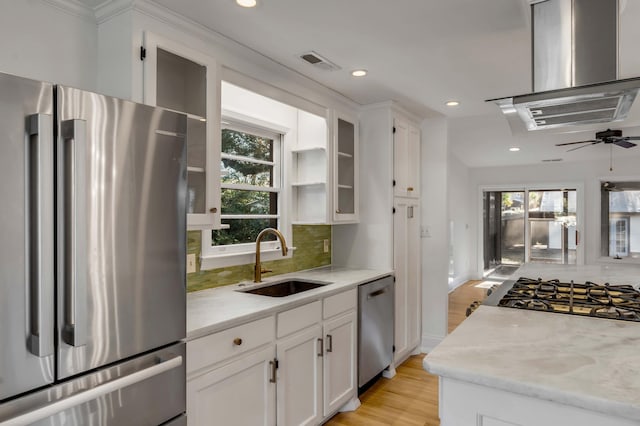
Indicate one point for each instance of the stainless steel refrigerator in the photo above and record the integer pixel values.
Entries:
(92, 258)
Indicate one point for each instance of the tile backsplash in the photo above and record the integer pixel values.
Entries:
(307, 239)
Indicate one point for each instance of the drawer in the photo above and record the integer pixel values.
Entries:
(339, 303)
(299, 318)
(209, 350)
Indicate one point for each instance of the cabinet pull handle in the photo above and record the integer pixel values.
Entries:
(329, 343)
(320, 346)
(338, 211)
(409, 189)
(213, 210)
(272, 364)
(237, 341)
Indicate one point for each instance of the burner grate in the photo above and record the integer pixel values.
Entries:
(588, 299)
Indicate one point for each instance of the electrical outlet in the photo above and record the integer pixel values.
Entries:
(191, 263)
(326, 246)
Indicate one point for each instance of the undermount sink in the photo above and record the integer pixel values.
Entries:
(285, 288)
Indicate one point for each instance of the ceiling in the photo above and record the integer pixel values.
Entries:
(421, 54)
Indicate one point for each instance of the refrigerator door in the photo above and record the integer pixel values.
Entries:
(26, 235)
(121, 195)
(148, 390)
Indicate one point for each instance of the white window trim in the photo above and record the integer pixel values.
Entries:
(580, 214)
(242, 254)
(608, 259)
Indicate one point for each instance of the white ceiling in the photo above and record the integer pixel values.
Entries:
(421, 53)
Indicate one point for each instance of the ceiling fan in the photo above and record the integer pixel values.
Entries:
(607, 137)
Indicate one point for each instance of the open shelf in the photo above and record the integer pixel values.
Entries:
(344, 154)
(196, 169)
(345, 186)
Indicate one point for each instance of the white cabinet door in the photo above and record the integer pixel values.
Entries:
(237, 394)
(339, 361)
(406, 159)
(345, 168)
(406, 253)
(413, 274)
(184, 80)
(299, 381)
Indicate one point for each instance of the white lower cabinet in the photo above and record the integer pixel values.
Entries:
(240, 393)
(316, 359)
(300, 378)
(340, 355)
(231, 376)
(295, 368)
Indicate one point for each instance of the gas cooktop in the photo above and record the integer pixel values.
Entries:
(588, 298)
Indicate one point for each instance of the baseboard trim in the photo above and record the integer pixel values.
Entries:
(429, 342)
(458, 281)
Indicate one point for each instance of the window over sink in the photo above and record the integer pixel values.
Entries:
(253, 189)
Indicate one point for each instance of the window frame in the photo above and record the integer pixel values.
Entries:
(244, 253)
(627, 183)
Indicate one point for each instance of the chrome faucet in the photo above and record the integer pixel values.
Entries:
(257, 277)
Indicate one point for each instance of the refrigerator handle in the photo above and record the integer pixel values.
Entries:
(40, 235)
(74, 264)
(94, 393)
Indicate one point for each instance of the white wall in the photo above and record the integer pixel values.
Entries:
(42, 42)
(125, 29)
(461, 248)
(586, 174)
(435, 220)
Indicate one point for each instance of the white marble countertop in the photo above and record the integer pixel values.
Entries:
(592, 363)
(599, 274)
(219, 308)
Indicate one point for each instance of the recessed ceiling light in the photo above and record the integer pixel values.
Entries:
(247, 3)
(452, 103)
(359, 73)
(514, 149)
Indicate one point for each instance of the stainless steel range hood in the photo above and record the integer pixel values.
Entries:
(575, 67)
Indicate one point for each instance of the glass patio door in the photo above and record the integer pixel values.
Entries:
(528, 226)
(551, 219)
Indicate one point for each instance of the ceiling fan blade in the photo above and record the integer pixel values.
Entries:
(573, 143)
(624, 143)
(583, 146)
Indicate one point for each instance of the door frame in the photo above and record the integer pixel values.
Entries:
(580, 217)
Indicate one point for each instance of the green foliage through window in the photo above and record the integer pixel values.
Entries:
(249, 185)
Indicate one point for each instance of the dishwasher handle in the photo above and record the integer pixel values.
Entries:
(377, 292)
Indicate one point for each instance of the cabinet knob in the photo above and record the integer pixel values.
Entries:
(338, 211)
(213, 210)
(410, 188)
(237, 341)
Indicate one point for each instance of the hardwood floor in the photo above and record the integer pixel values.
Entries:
(410, 398)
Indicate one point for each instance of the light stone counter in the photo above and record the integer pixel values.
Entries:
(209, 311)
(612, 273)
(591, 363)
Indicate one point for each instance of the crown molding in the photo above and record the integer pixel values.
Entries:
(110, 8)
(73, 7)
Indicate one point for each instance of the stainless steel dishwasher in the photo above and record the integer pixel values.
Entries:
(375, 328)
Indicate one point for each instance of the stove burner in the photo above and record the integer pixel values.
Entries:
(589, 299)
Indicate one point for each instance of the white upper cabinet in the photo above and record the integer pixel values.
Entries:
(406, 159)
(345, 168)
(310, 171)
(181, 79)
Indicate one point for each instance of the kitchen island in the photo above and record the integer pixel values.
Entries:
(506, 366)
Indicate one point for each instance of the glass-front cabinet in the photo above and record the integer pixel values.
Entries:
(184, 80)
(345, 168)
